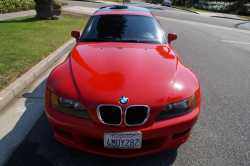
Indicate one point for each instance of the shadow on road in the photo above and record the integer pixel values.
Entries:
(32, 109)
(236, 25)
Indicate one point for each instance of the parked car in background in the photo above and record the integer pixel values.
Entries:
(166, 3)
(126, 1)
(148, 1)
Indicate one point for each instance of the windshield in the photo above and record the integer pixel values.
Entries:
(123, 28)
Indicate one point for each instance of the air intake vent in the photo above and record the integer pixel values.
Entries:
(136, 115)
(110, 114)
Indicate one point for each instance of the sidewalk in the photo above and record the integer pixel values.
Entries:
(6, 16)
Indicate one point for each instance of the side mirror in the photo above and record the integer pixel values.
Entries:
(172, 36)
(76, 34)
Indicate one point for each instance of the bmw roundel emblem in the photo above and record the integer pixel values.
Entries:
(123, 100)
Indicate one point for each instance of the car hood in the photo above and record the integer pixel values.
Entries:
(104, 72)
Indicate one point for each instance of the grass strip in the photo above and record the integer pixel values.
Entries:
(26, 41)
(246, 17)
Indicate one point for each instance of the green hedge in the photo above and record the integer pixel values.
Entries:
(7, 6)
(245, 10)
(216, 6)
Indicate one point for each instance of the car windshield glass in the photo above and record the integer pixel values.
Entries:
(123, 28)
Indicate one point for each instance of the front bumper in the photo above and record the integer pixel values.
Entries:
(86, 135)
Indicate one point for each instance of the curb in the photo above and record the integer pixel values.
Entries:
(240, 19)
(9, 93)
(186, 10)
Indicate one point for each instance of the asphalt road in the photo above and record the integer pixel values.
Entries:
(220, 57)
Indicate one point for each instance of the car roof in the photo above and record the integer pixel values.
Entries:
(120, 9)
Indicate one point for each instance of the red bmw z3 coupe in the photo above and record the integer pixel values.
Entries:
(122, 91)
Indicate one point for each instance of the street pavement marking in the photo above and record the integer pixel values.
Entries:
(203, 24)
(234, 42)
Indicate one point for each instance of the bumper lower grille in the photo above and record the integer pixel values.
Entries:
(136, 115)
(110, 114)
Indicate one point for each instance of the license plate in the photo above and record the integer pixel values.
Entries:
(123, 140)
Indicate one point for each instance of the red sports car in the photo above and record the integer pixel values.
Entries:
(122, 91)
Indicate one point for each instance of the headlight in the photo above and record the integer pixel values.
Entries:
(177, 109)
(68, 106)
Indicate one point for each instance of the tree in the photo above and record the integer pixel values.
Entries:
(240, 4)
(174, 2)
(48, 9)
(183, 2)
(190, 3)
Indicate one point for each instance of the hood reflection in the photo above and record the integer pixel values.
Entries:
(165, 52)
(110, 82)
